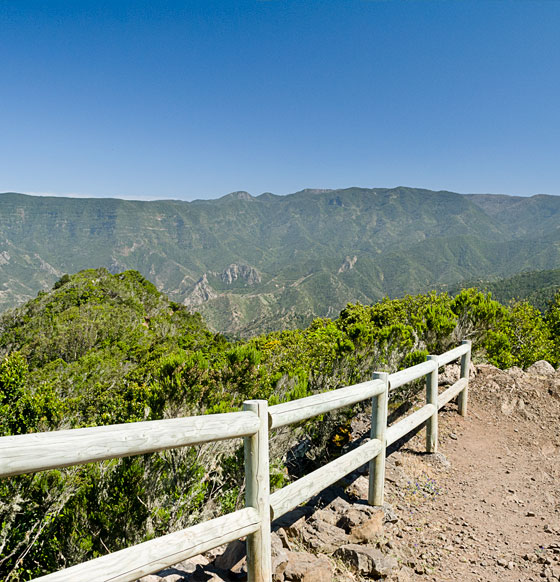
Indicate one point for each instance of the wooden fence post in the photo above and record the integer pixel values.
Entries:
(463, 398)
(432, 398)
(257, 495)
(378, 431)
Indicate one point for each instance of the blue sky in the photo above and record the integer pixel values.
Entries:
(196, 99)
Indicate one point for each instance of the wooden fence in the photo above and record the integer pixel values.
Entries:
(41, 451)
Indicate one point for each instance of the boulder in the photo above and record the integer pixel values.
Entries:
(390, 514)
(541, 368)
(367, 561)
(279, 557)
(326, 515)
(449, 374)
(180, 572)
(359, 488)
(357, 514)
(283, 536)
(191, 564)
(303, 567)
(322, 536)
(338, 505)
(363, 523)
(232, 555)
(293, 521)
(369, 530)
(516, 372)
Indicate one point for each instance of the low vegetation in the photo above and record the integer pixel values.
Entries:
(104, 349)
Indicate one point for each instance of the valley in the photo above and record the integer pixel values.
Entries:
(255, 264)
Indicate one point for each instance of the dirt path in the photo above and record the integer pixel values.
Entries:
(488, 506)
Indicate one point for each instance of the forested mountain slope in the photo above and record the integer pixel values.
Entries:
(537, 287)
(252, 264)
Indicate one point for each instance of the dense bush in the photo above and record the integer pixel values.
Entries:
(104, 349)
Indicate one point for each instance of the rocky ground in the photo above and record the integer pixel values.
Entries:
(486, 507)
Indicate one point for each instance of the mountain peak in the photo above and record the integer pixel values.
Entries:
(239, 195)
(316, 190)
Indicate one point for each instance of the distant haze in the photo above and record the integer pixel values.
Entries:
(155, 197)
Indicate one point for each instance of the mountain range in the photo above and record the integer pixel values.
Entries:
(253, 264)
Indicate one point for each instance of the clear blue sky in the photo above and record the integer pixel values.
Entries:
(195, 99)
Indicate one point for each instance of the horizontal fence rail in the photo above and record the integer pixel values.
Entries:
(409, 423)
(454, 354)
(41, 451)
(452, 392)
(292, 495)
(403, 377)
(305, 408)
(154, 555)
(50, 450)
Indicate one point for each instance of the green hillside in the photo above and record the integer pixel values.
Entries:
(252, 264)
(104, 349)
(539, 288)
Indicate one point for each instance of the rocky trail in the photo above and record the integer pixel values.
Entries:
(486, 507)
(492, 511)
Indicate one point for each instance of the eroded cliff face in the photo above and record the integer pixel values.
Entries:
(201, 292)
(204, 290)
(348, 264)
(249, 275)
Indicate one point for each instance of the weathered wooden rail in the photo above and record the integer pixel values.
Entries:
(42, 451)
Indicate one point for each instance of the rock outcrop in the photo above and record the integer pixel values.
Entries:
(348, 264)
(541, 368)
(201, 292)
(241, 272)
